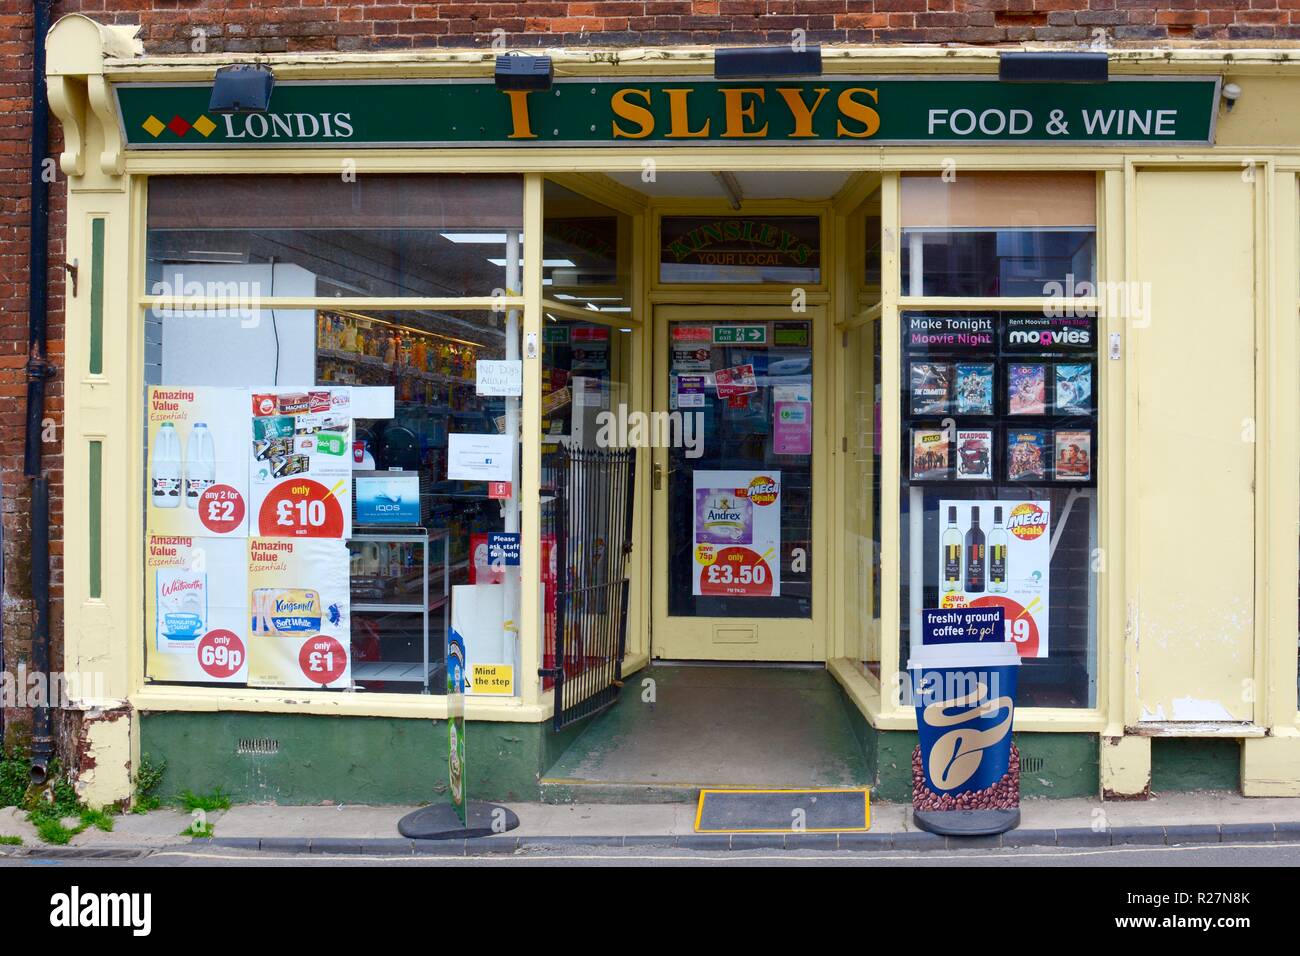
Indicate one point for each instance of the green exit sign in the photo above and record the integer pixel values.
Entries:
(740, 335)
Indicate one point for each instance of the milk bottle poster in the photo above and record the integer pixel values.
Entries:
(737, 534)
(299, 630)
(195, 601)
(300, 472)
(198, 461)
(1004, 560)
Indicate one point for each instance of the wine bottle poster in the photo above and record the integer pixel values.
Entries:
(197, 478)
(736, 536)
(300, 470)
(196, 609)
(299, 609)
(1003, 559)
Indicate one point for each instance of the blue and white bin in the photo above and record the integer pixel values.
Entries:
(965, 772)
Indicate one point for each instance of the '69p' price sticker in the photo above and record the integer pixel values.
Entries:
(323, 659)
(221, 654)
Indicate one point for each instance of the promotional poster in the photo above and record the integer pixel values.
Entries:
(195, 602)
(299, 621)
(198, 461)
(300, 475)
(1005, 558)
(737, 534)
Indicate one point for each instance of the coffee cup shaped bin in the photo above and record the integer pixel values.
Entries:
(964, 780)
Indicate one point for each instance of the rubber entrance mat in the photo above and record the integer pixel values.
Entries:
(783, 811)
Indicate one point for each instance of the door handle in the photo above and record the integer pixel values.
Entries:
(658, 472)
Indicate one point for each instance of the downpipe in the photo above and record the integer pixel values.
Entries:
(39, 371)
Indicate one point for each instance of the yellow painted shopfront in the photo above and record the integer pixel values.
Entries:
(703, 375)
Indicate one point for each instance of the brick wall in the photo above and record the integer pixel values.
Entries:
(241, 26)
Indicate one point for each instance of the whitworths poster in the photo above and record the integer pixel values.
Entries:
(737, 534)
(298, 600)
(195, 601)
(300, 475)
(1007, 565)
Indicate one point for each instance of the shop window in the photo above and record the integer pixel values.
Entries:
(740, 249)
(328, 489)
(587, 373)
(998, 234)
(380, 235)
(999, 503)
(862, 495)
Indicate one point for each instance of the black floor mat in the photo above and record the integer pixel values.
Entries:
(782, 811)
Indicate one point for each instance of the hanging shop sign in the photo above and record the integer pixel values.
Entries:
(684, 111)
(998, 554)
(737, 534)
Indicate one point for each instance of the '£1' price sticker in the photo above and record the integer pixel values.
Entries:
(323, 660)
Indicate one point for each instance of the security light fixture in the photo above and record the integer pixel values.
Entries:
(243, 88)
(1231, 92)
(518, 71)
(739, 63)
(1053, 66)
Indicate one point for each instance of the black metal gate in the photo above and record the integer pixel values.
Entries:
(589, 522)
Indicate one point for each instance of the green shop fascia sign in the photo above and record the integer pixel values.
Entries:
(685, 111)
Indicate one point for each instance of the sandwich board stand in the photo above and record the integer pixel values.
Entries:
(965, 770)
(458, 818)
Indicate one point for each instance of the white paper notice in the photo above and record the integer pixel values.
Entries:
(480, 457)
(499, 377)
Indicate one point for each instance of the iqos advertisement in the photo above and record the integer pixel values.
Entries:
(736, 535)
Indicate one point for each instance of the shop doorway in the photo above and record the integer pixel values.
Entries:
(736, 500)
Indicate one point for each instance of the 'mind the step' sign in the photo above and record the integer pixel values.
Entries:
(681, 112)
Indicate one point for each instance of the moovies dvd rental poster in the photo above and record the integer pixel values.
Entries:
(1009, 542)
(736, 534)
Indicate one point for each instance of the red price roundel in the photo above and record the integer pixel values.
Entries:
(1022, 629)
(221, 509)
(221, 654)
(300, 508)
(737, 571)
(322, 659)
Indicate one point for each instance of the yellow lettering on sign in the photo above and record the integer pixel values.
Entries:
(519, 123)
(738, 112)
(801, 111)
(857, 110)
(679, 120)
(640, 115)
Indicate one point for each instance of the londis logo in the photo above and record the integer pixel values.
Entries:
(1027, 521)
(763, 490)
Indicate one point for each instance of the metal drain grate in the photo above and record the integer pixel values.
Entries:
(1032, 764)
(261, 746)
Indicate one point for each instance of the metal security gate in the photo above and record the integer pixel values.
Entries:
(589, 526)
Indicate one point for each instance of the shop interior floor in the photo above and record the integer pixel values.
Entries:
(677, 728)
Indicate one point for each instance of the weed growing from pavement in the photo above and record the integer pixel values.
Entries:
(216, 800)
(11, 841)
(148, 777)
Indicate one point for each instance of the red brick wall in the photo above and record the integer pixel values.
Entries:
(242, 26)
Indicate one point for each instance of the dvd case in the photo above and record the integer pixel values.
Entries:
(1073, 388)
(1026, 389)
(1027, 454)
(973, 388)
(931, 387)
(974, 456)
(929, 454)
(1073, 456)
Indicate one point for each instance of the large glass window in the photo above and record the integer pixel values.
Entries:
(330, 489)
(1003, 234)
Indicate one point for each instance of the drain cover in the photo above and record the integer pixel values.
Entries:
(783, 811)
